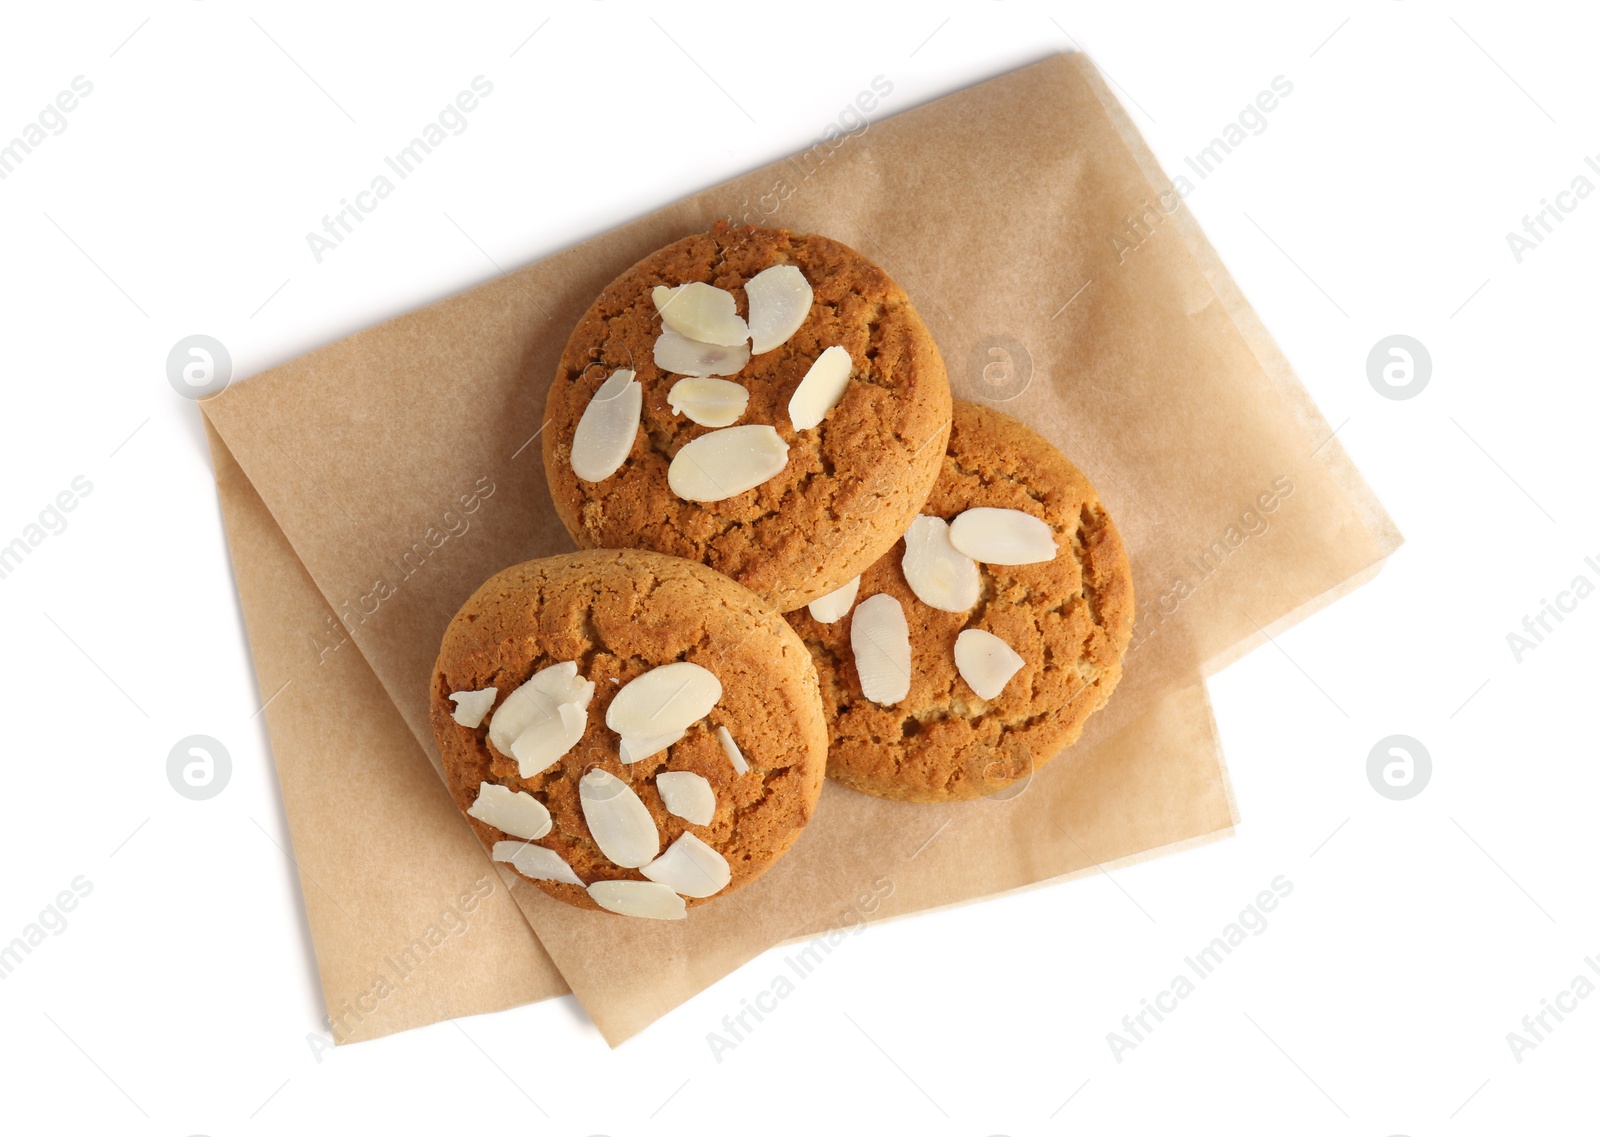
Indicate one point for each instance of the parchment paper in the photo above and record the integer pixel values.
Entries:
(369, 903)
(402, 468)
(381, 852)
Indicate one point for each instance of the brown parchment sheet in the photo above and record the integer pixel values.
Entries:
(398, 946)
(401, 466)
(408, 920)
(395, 940)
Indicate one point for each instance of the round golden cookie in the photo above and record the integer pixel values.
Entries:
(619, 613)
(851, 484)
(1069, 618)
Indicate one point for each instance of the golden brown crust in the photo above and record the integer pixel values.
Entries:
(851, 484)
(619, 613)
(1069, 618)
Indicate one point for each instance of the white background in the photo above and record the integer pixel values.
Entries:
(180, 995)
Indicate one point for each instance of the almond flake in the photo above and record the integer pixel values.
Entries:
(731, 749)
(636, 747)
(940, 575)
(618, 821)
(684, 356)
(471, 706)
(664, 700)
(605, 432)
(537, 700)
(833, 607)
(881, 642)
(1003, 536)
(544, 743)
(687, 795)
(643, 898)
(701, 312)
(985, 661)
(780, 301)
(511, 811)
(535, 862)
(690, 867)
(708, 402)
(822, 388)
(726, 463)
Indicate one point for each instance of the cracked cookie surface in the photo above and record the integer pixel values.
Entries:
(1069, 618)
(850, 485)
(619, 613)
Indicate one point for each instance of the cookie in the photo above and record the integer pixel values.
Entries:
(628, 640)
(826, 500)
(1068, 620)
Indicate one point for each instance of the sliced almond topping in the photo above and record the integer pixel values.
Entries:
(985, 661)
(605, 433)
(684, 356)
(708, 402)
(690, 867)
(1002, 536)
(822, 388)
(664, 700)
(535, 862)
(511, 811)
(618, 821)
(780, 301)
(727, 462)
(471, 706)
(687, 795)
(881, 642)
(942, 576)
(543, 744)
(636, 747)
(701, 312)
(830, 609)
(642, 898)
(537, 700)
(731, 749)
